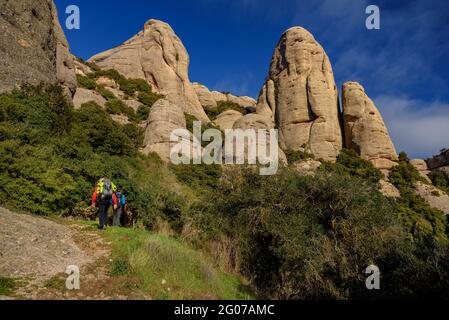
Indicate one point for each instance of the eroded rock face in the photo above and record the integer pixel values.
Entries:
(157, 55)
(302, 96)
(422, 168)
(364, 128)
(164, 118)
(434, 196)
(206, 97)
(227, 119)
(255, 122)
(33, 46)
(106, 82)
(84, 95)
(243, 101)
(388, 189)
(81, 68)
(209, 99)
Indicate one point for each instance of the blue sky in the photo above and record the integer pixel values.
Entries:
(404, 66)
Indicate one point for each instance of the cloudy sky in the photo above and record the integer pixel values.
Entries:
(404, 66)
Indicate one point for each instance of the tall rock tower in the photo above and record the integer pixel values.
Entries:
(365, 130)
(157, 55)
(301, 97)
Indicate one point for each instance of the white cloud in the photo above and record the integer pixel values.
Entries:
(420, 128)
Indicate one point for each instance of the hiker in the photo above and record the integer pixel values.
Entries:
(121, 206)
(102, 198)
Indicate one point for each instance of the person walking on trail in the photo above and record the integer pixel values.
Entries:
(121, 206)
(102, 198)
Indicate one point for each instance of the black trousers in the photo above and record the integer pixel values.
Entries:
(103, 213)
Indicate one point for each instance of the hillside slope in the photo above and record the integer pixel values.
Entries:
(117, 264)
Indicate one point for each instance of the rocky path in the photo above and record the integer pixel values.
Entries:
(36, 252)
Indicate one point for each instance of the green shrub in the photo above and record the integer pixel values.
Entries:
(143, 112)
(148, 98)
(116, 106)
(304, 237)
(440, 180)
(418, 217)
(7, 286)
(110, 73)
(108, 95)
(348, 162)
(85, 82)
(47, 171)
(296, 155)
(131, 86)
(198, 175)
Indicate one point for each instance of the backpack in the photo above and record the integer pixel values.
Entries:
(106, 190)
(119, 199)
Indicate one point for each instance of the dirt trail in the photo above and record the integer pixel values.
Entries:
(36, 251)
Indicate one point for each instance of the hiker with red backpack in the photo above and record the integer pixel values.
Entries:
(102, 198)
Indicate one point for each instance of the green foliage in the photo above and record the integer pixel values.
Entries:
(143, 112)
(131, 86)
(403, 157)
(296, 155)
(110, 73)
(418, 217)
(304, 237)
(148, 98)
(46, 170)
(405, 175)
(349, 163)
(440, 180)
(116, 106)
(222, 106)
(165, 268)
(198, 175)
(85, 82)
(108, 95)
(7, 286)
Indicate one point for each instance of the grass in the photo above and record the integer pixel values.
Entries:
(7, 286)
(168, 269)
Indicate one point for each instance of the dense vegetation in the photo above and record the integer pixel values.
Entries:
(136, 88)
(52, 155)
(292, 236)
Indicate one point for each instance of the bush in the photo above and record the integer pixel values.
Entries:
(198, 176)
(418, 217)
(306, 237)
(131, 86)
(110, 73)
(148, 98)
(47, 171)
(116, 106)
(143, 112)
(85, 82)
(108, 95)
(349, 163)
(440, 180)
(296, 155)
